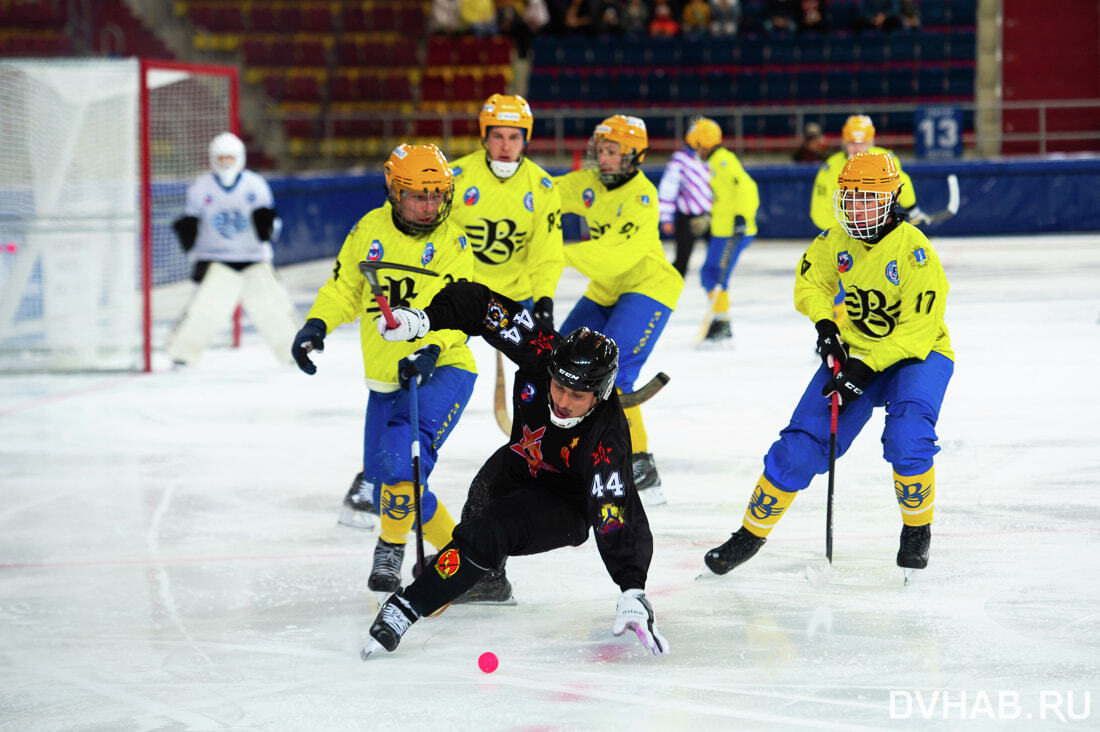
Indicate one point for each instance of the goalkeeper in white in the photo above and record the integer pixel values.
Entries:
(228, 226)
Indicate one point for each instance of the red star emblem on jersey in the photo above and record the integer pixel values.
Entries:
(530, 449)
(543, 342)
(601, 454)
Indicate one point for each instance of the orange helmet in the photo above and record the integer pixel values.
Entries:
(418, 169)
(858, 128)
(866, 192)
(703, 134)
(630, 134)
(506, 110)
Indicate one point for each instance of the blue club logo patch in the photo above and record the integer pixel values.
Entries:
(547, 183)
(471, 196)
(529, 201)
(588, 197)
(456, 171)
(844, 262)
(375, 251)
(892, 272)
(429, 253)
(528, 392)
(462, 242)
(645, 200)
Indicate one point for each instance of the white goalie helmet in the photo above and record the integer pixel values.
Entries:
(227, 158)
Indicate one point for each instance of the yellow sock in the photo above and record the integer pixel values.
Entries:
(721, 302)
(437, 530)
(916, 496)
(638, 439)
(397, 512)
(766, 507)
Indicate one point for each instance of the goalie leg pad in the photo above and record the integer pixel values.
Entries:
(269, 307)
(208, 312)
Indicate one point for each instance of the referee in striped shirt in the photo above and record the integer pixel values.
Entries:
(685, 201)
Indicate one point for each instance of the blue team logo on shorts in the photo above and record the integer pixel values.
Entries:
(529, 201)
(892, 272)
(588, 197)
(547, 183)
(844, 262)
(429, 252)
(471, 196)
(528, 392)
(375, 251)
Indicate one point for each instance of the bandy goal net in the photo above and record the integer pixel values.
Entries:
(95, 159)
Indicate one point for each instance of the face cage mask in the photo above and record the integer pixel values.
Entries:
(227, 175)
(414, 227)
(875, 217)
(627, 166)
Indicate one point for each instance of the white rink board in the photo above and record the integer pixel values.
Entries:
(169, 555)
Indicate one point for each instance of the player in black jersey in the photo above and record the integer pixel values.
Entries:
(566, 466)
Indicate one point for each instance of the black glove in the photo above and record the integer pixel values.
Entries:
(263, 220)
(829, 345)
(849, 383)
(544, 313)
(187, 230)
(420, 364)
(310, 338)
(740, 226)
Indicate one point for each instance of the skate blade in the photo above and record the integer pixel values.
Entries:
(707, 574)
(357, 519)
(909, 574)
(372, 646)
(819, 575)
(510, 602)
(653, 496)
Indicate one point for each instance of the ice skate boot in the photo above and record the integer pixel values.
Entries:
(719, 331)
(394, 617)
(647, 480)
(738, 549)
(913, 549)
(385, 575)
(358, 510)
(492, 589)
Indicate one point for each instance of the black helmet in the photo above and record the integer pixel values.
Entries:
(586, 361)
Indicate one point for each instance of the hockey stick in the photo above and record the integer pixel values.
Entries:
(500, 399)
(820, 577)
(952, 202)
(370, 271)
(414, 427)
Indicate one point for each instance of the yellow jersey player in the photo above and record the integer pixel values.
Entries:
(510, 210)
(732, 220)
(410, 228)
(894, 352)
(633, 289)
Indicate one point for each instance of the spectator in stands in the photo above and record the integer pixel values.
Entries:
(663, 24)
(910, 16)
(445, 16)
(696, 18)
(635, 18)
(813, 17)
(511, 21)
(578, 18)
(781, 16)
(812, 148)
(725, 17)
(479, 16)
(880, 15)
(607, 18)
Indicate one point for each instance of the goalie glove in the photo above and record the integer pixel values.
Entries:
(264, 221)
(411, 324)
(635, 612)
(187, 230)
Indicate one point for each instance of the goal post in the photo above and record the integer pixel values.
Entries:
(95, 159)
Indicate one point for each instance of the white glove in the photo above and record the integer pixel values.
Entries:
(636, 613)
(411, 324)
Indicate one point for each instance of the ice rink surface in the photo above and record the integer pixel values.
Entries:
(170, 559)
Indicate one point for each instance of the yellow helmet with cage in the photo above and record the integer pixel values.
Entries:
(633, 140)
(506, 110)
(418, 169)
(866, 192)
(858, 128)
(703, 134)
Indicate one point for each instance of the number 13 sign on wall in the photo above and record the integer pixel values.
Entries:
(938, 133)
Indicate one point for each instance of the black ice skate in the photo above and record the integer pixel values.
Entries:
(738, 549)
(358, 510)
(385, 575)
(913, 549)
(647, 480)
(492, 589)
(719, 330)
(393, 619)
